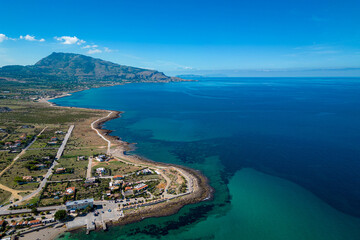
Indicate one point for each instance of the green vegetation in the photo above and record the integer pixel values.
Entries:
(66, 72)
(4, 196)
(60, 215)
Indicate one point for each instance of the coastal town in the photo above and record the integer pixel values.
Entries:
(61, 176)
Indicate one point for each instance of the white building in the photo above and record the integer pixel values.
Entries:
(80, 204)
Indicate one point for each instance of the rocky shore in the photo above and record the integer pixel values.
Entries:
(201, 191)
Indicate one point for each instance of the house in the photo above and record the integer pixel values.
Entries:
(118, 177)
(34, 222)
(114, 188)
(101, 158)
(13, 224)
(8, 144)
(128, 188)
(80, 204)
(53, 139)
(81, 158)
(141, 186)
(144, 171)
(23, 136)
(48, 220)
(40, 166)
(52, 143)
(28, 178)
(100, 170)
(60, 170)
(117, 183)
(59, 132)
(70, 191)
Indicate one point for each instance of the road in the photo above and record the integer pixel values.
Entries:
(88, 172)
(40, 209)
(15, 193)
(98, 133)
(49, 172)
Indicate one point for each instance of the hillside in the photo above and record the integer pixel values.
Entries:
(64, 71)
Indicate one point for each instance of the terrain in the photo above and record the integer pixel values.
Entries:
(67, 72)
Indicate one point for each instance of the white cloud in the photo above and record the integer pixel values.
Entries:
(70, 40)
(93, 51)
(3, 37)
(31, 38)
(106, 49)
(90, 46)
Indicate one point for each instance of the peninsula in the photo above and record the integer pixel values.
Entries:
(60, 170)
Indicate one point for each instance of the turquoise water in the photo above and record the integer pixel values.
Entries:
(282, 154)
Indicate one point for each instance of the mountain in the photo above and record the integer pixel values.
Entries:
(73, 68)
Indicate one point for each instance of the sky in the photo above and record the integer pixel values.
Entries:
(212, 38)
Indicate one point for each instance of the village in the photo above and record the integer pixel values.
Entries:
(53, 180)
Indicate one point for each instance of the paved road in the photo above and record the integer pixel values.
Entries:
(41, 209)
(49, 172)
(62, 147)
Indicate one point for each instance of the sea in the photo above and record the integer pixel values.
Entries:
(282, 154)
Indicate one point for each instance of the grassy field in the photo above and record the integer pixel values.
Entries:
(71, 162)
(83, 142)
(116, 167)
(95, 191)
(51, 191)
(5, 159)
(28, 112)
(4, 196)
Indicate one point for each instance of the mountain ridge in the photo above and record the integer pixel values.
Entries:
(71, 67)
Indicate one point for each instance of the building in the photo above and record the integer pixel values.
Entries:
(40, 166)
(114, 188)
(145, 171)
(100, 170)
(60, 170)
(118, 177)
(80, 204)
(101, 158)
(28, 178)
(70, 191)
(141, 186)
(53, 139)
(34, 222)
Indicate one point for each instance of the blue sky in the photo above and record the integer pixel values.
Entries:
(233, 38)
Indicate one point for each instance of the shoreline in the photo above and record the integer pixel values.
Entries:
(202, 191)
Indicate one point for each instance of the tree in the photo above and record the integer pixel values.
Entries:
(34, 210)
(60, 215)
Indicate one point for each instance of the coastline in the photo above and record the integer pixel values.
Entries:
(202, 190)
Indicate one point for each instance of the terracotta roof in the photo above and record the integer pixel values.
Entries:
(70, 190)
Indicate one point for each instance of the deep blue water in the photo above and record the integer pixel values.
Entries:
(304, 130)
